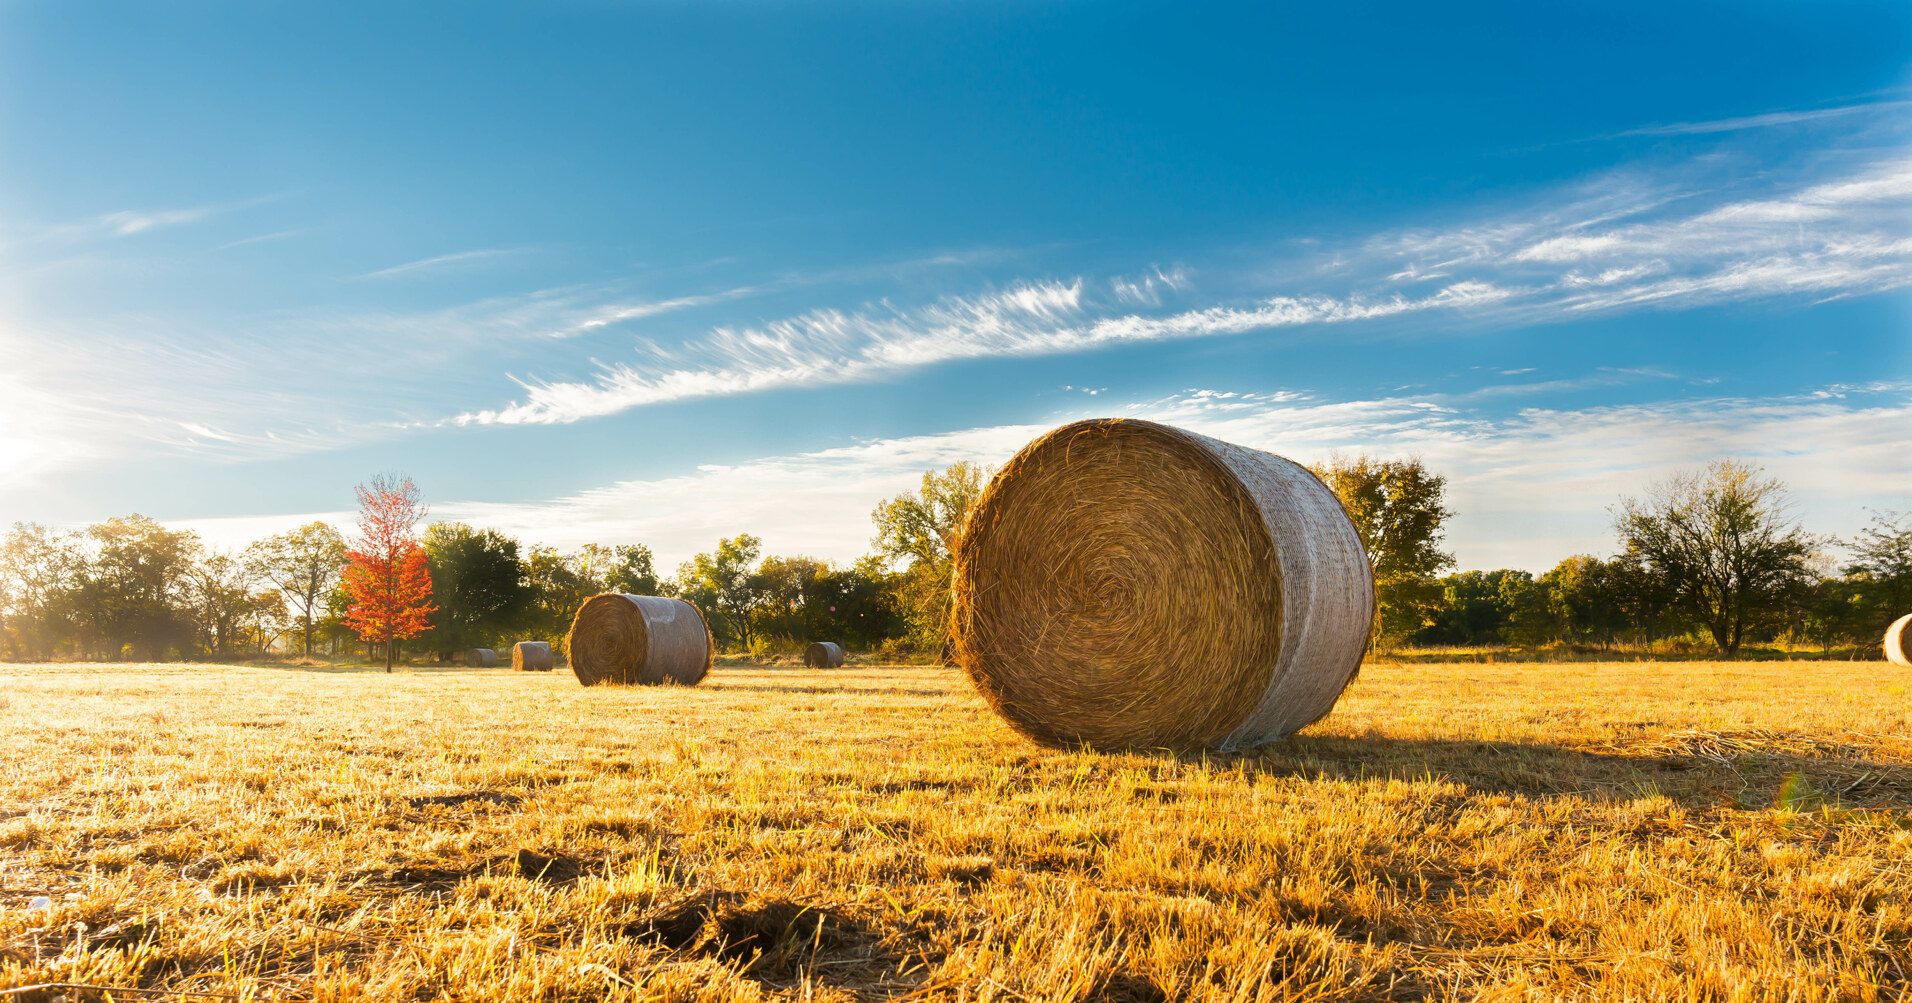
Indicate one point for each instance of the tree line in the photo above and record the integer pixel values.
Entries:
(1709, 556)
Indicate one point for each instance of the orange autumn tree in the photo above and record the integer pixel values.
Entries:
(387, 579)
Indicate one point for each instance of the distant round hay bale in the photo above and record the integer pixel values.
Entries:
(533, 656)
(649, 640)
(1128, 584)
(823, 655)
(481, 658)
(1898, 641)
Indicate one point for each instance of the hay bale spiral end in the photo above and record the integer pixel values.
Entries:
(1125, 584)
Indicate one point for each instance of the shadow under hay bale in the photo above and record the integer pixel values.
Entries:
(649, 640)
(1898, 641)
(823, 655)
(533, 656)
(481, 658)
(1128, 584)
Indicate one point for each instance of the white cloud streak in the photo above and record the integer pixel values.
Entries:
(127, 222)
(1845, 237)
(436, 264)
(1766, 121)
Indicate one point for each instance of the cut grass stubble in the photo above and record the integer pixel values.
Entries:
(1613, 831)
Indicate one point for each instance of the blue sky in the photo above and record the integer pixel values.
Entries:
(661, 272)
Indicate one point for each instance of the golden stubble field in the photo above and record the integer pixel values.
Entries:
(1622, 831)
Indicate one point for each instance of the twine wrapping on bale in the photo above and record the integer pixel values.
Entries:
(621, 639)
(481, 658)
(823, 655)
(1128, 584)
(533, 656)
(1898, 641)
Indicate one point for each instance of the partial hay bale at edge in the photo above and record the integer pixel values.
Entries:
(1898, 641)
(1124, 584)
(481, 658)
(533, 656)
(624, 640)
(823, 655)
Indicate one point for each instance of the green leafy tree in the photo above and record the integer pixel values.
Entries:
(857, 604)
(38, 567)
(626, 568)
(333, 627)
(1472, 609)
(789, 595)
(1722, 543)
(1882, 561)
(226, 607)
(1583, 593)
(920, 528)
(1397, 508)
(1648, 602)
(558, 586)
(478, 585)
(133, 590)
(1840, 610)
(724, 585)
(303, 565)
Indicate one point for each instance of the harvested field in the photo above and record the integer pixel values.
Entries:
(1582, 831)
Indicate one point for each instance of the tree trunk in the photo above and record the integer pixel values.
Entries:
(388, 653)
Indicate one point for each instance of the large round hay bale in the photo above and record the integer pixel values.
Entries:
(481, 658)
(650, 640)
(1128, 584)
(533, 656)
(1898, 641)
(823, 655)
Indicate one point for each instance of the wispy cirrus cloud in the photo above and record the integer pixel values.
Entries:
(1765, 121)
(439, 263)
(128, 222)
(1850, 235)
(260, 239)
(830, 346)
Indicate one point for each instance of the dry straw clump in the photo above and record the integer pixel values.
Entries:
(1898, 641)
(623, 639)
(823, 655)
(481, 658)
(533, 656)
(1127, 584)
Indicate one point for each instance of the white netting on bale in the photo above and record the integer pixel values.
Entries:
(645, 640)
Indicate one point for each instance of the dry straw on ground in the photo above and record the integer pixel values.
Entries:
(481, 658)
(1123, 583)
(625, 639)
(1898, 641)
(533, 656)
(823, 655)
(1723, 831)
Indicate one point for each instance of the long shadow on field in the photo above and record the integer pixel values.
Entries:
(1697, 769)
(887, 691)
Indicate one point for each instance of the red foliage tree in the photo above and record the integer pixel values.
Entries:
(387, 578)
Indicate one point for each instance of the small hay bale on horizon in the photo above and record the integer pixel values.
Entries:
(533, 656)
(481, 658)
(1898, 641)
(1125, 584)
(823, 655)
(619, 639)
